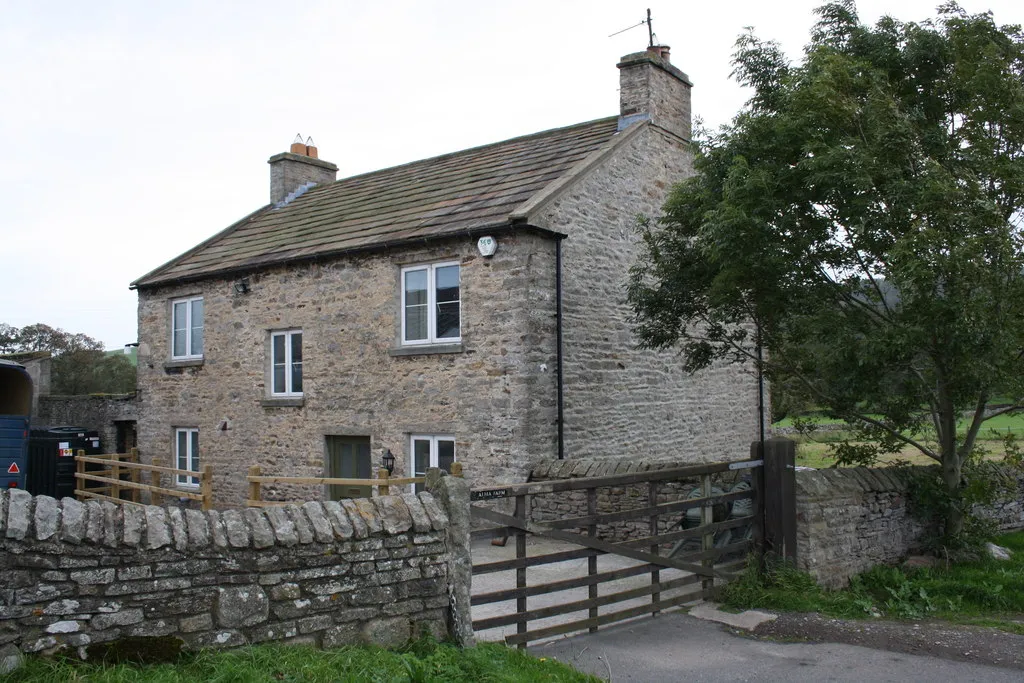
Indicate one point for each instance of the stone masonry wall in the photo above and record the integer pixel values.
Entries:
(496, 395)
(99, 413)
(851, 519)
(622, 401)
(329, 574)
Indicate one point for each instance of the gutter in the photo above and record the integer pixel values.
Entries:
(253, 268)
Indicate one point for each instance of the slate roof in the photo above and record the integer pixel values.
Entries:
(458, 192)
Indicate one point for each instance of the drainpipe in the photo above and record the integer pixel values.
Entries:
(558, 342)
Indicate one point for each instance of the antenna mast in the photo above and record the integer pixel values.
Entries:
(650, 28)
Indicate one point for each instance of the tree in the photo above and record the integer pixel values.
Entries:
(860, 219)
(80, 366)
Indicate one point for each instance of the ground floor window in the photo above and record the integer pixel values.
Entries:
(186, 454)
(428, 451)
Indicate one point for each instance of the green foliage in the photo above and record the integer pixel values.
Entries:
(424, 661)
(982, 590)
(861, 218)
(79, 366)
(931, 501)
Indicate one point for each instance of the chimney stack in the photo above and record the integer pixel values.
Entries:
(298, 169)
(650, 88)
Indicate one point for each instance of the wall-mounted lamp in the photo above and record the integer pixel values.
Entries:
(389, 461)
(242, 286)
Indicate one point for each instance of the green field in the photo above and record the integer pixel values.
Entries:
(813, 448)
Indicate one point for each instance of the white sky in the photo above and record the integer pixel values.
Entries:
(133, 130)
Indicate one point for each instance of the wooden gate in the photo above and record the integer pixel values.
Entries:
(690, 529)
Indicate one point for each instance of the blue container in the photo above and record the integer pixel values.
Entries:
(15, 411)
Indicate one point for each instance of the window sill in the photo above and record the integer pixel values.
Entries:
(184, 363)
(292, 402)
(426, 349)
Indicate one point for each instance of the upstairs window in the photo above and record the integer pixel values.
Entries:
(187, 328)
(286, 363)
(430, 304)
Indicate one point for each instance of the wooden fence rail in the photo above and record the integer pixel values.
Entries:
(382, 483)
(113, 481)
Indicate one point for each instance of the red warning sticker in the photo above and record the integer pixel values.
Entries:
(13, 469)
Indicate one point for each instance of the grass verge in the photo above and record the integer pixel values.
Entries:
(984, 592)
(423, 661)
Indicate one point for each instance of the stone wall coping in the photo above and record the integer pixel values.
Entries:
(817, 483)
(577, 468)
(24, 517)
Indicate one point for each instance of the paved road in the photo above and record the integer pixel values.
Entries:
(676, 647)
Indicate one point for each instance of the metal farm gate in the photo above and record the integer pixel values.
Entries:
(653, 540)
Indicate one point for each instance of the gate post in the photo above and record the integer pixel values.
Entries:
(453, 494)
(779, 497)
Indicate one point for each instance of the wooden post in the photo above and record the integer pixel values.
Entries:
(115, 476)
(652, 500)
(383, 475)
(757, 484)
(254, 486)
(780, 498)
(154, 480)
(136, 475)
(520, 513)
(592, 560)
(707, 517)
(80, 470)
(206, 487)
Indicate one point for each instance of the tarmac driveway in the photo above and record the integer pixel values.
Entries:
(675, 647)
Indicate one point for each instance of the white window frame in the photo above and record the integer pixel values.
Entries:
(432, 337)
(188, 328)
(433, 439)
(288, 379)
(191, 457)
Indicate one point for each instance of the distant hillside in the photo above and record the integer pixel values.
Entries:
(132, 354)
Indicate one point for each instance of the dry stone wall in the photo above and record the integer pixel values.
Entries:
(851, 519)
(334, 573)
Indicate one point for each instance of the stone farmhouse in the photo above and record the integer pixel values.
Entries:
(468, 307)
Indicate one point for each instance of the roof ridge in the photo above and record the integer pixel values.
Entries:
(478, 148)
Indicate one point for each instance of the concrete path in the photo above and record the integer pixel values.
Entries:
(483, 551)
(675, 647)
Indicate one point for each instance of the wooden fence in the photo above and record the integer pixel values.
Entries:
(122, 474)
(382, 484)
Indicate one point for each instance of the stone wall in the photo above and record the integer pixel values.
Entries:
(851, 519)
(495, 394)
(371, 570)
(622, 401)
(100, 413)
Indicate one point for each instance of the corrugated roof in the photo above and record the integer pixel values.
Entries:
(453, 193)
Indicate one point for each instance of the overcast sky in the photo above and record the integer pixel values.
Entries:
(133, 130)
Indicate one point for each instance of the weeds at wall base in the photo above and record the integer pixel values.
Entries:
(982, 591)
